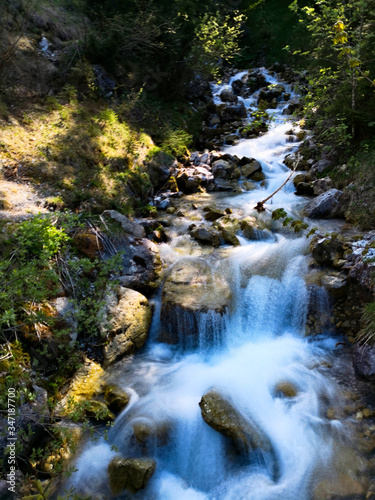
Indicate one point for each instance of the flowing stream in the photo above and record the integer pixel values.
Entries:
(258, 344)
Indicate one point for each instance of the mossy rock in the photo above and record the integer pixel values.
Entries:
(116, 398)
(230, 237)
(130, 474)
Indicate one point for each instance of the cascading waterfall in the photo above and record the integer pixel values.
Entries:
(244, 355)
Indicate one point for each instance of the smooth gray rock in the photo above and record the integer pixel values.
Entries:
(325, 206)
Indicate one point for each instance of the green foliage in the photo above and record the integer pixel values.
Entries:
(295, 224)
(216, 41)
(177, 142)
(367, 333)
(339, 48)
(26, 276)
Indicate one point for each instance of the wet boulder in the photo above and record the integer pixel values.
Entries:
(147, 431)
(220, 414)
(222, 185)
(249, 228)
(206, 236)
(191, 288)
(255, 81)
(212, 213)
(271, 92)
(129, 322)
(227, 94)
(325, 206)
(250, 169)
(230, 237)
(364, 361)
(258, 176)
(132, 474)
(285, 389)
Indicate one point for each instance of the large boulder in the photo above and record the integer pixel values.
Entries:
(250, 169)
(191, 288)
(325, 206)
(246, 436)
(340, 487)
(130, 474)
(128, 325)
(364, 361)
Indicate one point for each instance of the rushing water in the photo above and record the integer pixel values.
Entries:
(259, 343)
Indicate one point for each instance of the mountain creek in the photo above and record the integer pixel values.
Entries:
(243, 384)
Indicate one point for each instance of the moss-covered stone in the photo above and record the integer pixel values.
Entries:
(130, 474)
(115, 397)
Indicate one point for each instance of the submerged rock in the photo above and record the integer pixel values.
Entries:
(130, 474)
(148, 432)
(129, 323)
(286, 389)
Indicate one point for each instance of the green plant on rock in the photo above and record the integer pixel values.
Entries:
(296, 224)
(366, 335)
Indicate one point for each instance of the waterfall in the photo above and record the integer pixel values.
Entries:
(251, 354)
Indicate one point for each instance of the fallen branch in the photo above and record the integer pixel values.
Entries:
(259, 206)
